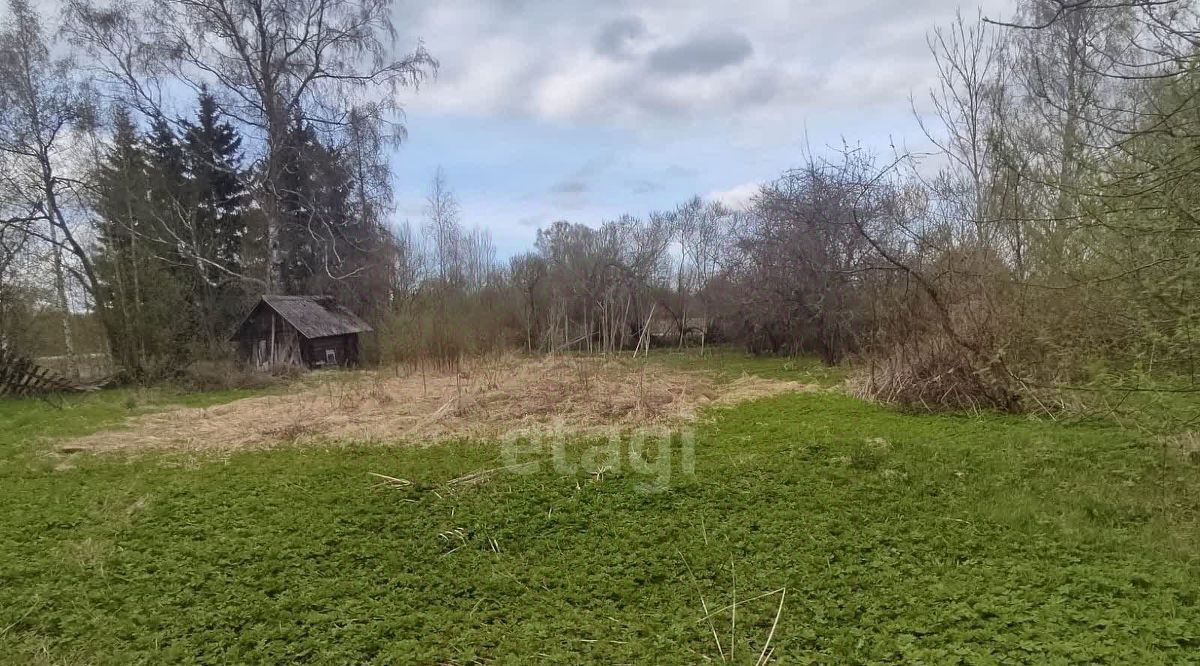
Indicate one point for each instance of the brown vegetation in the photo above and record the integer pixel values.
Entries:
(484, 398)
(935, 373)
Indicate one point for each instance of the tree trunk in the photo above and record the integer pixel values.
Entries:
(60, 291)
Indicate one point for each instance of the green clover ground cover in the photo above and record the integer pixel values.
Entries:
(934, 539)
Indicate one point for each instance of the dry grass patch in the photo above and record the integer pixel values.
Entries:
(483, 398)
(1184, 445)
(934, 374)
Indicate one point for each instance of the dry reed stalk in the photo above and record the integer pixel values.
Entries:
(766, 651)
(494, 397)
(391, 480)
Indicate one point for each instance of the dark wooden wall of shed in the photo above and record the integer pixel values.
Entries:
(345, 349)
(255, 341)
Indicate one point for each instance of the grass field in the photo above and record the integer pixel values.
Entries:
(844, 531)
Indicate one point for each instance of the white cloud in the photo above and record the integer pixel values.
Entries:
(681, 96)
(639, 65)
(737, 197)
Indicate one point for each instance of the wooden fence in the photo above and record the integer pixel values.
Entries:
(22, 377)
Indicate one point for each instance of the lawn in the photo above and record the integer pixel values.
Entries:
(846, 532)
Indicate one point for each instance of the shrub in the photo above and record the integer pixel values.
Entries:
(226, 375)
(932, 374)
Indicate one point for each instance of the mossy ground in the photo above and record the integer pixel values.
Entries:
(936, 539)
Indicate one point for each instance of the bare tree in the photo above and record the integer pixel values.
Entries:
(969, 104)
(702, 232)
(478, 258)
(528, 273)
(444, 230)
(602, 283)
(13, 239)
(408, 268)
(801, 277)
(39, 102)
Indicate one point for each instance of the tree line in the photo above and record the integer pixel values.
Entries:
(1042, 236)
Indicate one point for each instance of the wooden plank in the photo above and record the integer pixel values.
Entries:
(40, 382)
(14, 375)
(10, 375)
(4, 374)
(22, 377)
(23, 384)
(31, 379)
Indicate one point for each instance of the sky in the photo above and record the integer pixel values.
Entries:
(583, 110)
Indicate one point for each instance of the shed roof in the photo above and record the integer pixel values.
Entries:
(313, 316)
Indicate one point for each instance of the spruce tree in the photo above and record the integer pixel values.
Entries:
(212, 158)
(138, 293)
(120, 187)
(216, 186)
(167, 192)
(164, 156)
(316, 216)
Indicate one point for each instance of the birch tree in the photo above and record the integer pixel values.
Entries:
(39, 103)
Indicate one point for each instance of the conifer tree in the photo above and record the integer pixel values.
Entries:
(316, 214)
(138, 294)
(216, 188)
(211, 154)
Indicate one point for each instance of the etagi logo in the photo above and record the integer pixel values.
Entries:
(655, 454)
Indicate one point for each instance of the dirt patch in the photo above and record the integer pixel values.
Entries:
(487, 399)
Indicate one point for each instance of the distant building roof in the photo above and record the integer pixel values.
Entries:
(312, 316)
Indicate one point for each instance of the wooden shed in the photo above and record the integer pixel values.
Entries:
(311, 331)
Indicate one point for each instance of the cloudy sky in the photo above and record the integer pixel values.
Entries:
(585, 109)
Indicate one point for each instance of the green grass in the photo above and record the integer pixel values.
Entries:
(726, 363)
(899, 538)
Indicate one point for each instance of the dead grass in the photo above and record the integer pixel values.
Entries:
(485, 397)
(934, 374)
(1184, 445)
